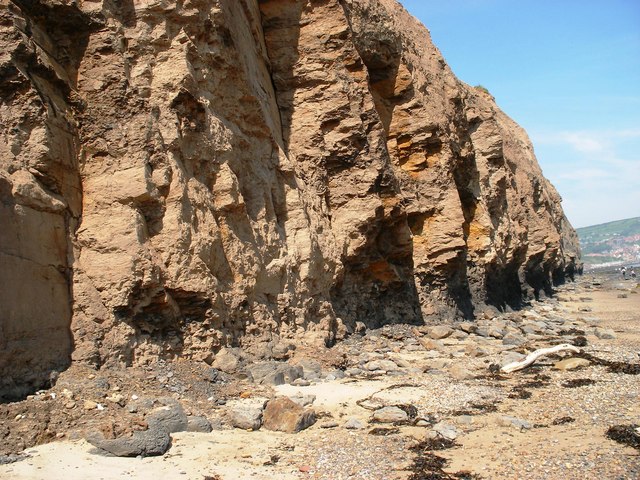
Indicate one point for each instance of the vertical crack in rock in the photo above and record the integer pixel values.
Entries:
(336, 136)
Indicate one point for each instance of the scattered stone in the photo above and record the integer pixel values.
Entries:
(511, 357)
(304, 400)
(506, 421)
(390, 415)
(446, 430)
(90, 405)
(431, 344)
(474, 350)
(604, 333)
(247, 416)
(496, 332)
(468, 327)
(7, 459)
(572, 363)
(513, 339)
(284, 415)
(383, 365)
(116, 398)
(198, 424)
(329, 424)
(354, 424)
(460, 372)
(226, 361)
(301, 382)
(439, 332)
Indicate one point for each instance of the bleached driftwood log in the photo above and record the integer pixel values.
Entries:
(533, 356)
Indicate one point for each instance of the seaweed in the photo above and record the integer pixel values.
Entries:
(625, 434)
(613, 366)
(578, 382)
(383, 432)
(563, 420)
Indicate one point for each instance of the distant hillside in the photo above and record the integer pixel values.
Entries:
(611, 243)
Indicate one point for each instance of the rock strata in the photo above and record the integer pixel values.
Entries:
(179, 177)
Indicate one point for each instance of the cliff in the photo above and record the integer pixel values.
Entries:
(180, 176)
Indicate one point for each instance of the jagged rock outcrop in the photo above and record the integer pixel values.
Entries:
(180, 176)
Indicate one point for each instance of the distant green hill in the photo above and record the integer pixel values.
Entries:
(611, 243)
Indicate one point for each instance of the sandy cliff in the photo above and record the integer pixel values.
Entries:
(180, 176)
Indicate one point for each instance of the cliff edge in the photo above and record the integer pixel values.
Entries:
(176, 177)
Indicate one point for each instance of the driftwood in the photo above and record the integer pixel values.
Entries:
(533, 356)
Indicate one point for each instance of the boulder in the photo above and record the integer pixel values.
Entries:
(247, 416)
(284, 415)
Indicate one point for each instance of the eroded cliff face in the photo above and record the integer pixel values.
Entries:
(180, 176)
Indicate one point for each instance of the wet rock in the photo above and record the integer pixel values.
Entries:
(390, 415)
(284, 415)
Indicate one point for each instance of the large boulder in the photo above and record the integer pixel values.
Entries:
(284, 415)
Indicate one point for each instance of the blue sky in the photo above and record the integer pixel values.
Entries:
(568, 71)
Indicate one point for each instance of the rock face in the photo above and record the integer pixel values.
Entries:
(176, 177)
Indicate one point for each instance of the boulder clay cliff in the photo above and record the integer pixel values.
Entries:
(180, 176)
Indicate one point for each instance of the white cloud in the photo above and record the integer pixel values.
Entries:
(596, 172)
